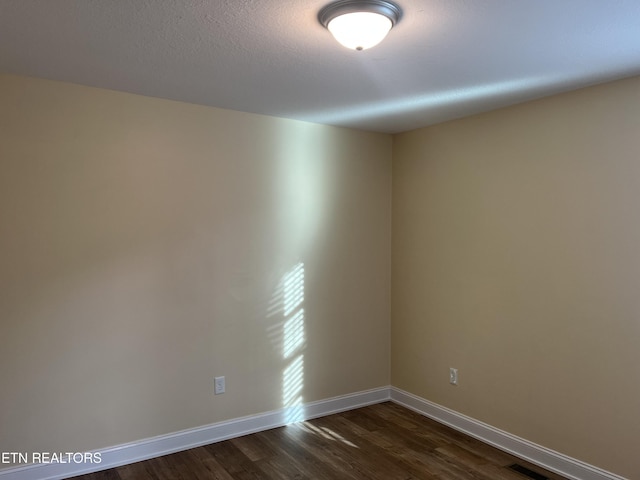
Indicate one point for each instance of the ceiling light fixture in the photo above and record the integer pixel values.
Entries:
(359, 24)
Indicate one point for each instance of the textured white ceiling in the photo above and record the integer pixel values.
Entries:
(444, 59)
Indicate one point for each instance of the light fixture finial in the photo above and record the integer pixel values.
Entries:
(359, 24)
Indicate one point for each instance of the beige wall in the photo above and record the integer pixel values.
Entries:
(144, 247)
(516, 259)
(143, 250)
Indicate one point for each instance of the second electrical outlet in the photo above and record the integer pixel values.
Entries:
(219, 385)
(453, 376)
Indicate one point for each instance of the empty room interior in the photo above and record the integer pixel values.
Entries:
(216, 220)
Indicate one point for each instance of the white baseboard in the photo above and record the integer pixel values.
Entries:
(519, 447)
(195, 437)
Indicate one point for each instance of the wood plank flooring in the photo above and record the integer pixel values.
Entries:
(384, 441)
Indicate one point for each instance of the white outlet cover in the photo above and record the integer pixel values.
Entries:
(219, 385)
(453, 376)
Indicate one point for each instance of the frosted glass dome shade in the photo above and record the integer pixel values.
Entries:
(360, 30)
(359, 24)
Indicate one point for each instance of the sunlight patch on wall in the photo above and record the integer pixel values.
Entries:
(294, 289)
(293, 334)
(292, 385)
(293, 340)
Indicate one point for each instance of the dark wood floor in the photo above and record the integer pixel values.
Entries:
(384, 441)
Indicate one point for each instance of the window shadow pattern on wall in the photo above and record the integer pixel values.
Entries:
(293, 334)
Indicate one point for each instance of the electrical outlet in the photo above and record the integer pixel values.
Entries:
(219, 385)
(453, 376)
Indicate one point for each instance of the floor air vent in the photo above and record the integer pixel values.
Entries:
(529, 473)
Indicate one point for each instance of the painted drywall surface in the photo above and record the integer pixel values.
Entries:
(147, 246)
(516, 260)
